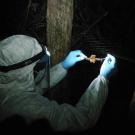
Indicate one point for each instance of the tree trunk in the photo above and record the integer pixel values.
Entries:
(59, 28)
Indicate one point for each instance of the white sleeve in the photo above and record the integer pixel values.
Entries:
(57, 73)
(86, 112)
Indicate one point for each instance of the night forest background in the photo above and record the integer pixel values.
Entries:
(99, 27)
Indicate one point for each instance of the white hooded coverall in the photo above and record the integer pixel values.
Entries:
(19, 94)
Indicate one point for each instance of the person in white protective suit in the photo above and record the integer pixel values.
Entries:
(21, 95)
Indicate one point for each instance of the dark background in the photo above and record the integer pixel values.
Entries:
(100, 27)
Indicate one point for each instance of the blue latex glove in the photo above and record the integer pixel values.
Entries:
(72, 58)
(108, 66)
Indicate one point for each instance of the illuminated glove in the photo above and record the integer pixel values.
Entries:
(72, 58)
(108, 66)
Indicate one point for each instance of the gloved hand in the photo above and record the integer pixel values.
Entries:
(72, 58)
(108, 66)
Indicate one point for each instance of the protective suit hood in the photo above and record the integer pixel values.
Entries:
(15, 49)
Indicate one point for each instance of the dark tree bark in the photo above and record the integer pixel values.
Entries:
(59, 28)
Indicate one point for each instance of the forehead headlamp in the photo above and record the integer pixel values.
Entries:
(25, 62)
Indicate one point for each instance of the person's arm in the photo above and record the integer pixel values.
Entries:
(57, 74)
(86, 112)
(59, 71)
(88, 109)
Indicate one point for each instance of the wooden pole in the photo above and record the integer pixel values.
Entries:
(59, 28)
